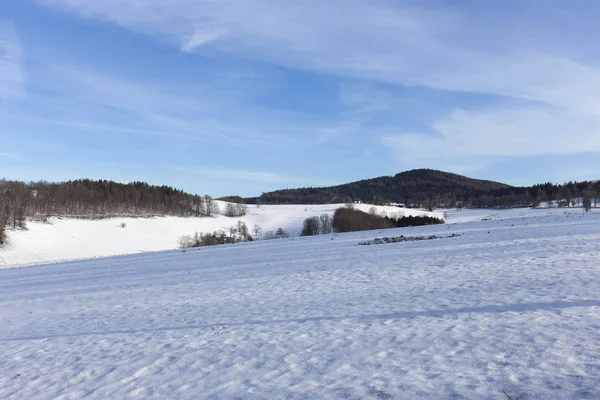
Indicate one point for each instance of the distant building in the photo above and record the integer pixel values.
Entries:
(401, 205)
(565, 203)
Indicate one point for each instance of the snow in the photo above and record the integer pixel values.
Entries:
(75, 239)
(511, 304)
(483, 214)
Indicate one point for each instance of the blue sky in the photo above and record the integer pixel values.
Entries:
(240, 97)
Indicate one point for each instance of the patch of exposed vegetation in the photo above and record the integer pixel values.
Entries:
(402, 238)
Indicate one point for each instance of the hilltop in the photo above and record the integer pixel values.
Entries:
(419, 186)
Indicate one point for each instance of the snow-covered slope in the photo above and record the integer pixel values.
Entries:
(511, 304)
(72, 239)
(492, 214)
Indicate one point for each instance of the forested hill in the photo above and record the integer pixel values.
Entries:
(419, 186)
(95, 198)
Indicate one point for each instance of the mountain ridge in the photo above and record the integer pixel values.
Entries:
(417, 186)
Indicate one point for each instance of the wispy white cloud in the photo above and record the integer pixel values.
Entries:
(363, 98)
(88, 98)
(99, 127)
(11, 74)
(87, 85)
(200, 38)
(470, 139)
(548, 92)
(249, 175)
(373, 41)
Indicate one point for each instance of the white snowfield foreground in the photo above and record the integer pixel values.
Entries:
(513, 303)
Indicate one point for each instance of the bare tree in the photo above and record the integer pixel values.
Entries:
(587, 200)
(232, 231)
(198, 206)
(18, 197)
(241, 209)
(234, 210)
(185, 242)
(3, 237)
(326, 223)
(257, 230)
(242, 229)
(210, 206)
(230, 210)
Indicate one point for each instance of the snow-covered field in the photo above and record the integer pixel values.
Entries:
(513, 303)
(76, 239)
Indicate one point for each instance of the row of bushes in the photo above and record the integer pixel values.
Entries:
(351, 220)
(205, 239)
(235, 234)
(233, 210)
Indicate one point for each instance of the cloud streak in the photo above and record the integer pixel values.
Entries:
(88, 98)
(538, 83)
(248, 175)
(389, 43)
(11, 74)
(523, 131)
(372, 41)
(200, 38)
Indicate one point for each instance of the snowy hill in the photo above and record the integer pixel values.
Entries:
(72, 239)
(511, 304)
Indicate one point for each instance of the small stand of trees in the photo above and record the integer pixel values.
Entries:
(236, 233)
(204, 239)
(321, 225)
(351, 220)
(279, 234)
(234, 210)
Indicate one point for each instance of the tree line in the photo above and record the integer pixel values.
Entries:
(562, 194)
(234, 234)
(430, 189)
(20, 201)
(348, 219)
